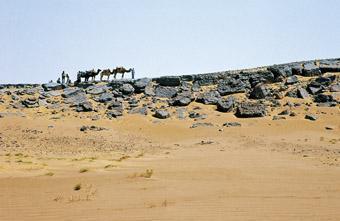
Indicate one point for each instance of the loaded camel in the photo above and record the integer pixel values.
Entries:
(87, 74)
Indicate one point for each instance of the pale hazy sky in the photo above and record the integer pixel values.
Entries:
(40, 38)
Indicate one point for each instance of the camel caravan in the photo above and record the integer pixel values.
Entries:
(91, 74)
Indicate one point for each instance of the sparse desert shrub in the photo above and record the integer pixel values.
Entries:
(147, 174)
(49, 174)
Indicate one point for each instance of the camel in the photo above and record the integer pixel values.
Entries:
(106, 72)
(87, 74)
(121, 70)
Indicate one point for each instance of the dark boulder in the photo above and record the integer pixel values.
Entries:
(211, 97)
(115, 105)
(325, 81)
(310, 69)
(84, 107)
(31, 102)
(52, 86)
(140, 84)
(323, 98)
(105, 97)
(182, 99)
(196, 115)
(161, 114)
(76, 99)
(127, 89)
(280, 72)
(292, 80)
(259, 92)
(114, 113)
(70, 92)
(187, 78)
(302, 93)
(206, 79)
(231, 86)
(297, 70)
(248, 110)
(260, 77)
(171, 81)
(166, 92)
(315, 88)
(96, 90)
(226, 105)
(329, 68)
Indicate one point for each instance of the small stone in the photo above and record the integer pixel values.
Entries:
(232, 124)
(279, 118)
(311, 117)
(201, 125)
(285, 112)
(161, 114)
(329, 128)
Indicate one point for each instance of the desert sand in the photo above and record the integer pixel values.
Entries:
(142, 168)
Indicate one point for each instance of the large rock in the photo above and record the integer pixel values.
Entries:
(231, 86)
(84, 107)
(325, 81)
(70, 92)
(76, 99)
(292, 80)
(248, 110)
(323, 98)
(315, 88)
(226, 105)
(140, 84)
(97, 89)
(280, 72)
(206, 79)
(127, 89)
(161, 114)
(105, 97)
(182, 99)
(329, 68)
(259, 92)
(171, 81)
(302, 93)
(166, 92)
(211, 97)
(52, 86)
(31, 102)
(310, 69)
(260, 77)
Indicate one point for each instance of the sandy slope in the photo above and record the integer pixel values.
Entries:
(263, 170)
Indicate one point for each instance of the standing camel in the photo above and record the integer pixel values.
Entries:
(106, 72)
(87, 74)
(121, 70)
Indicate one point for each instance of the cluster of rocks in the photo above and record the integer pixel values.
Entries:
(262, 87)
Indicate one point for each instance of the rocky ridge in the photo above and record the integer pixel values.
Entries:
(246, 93)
